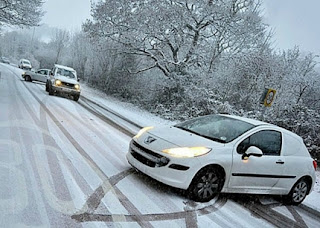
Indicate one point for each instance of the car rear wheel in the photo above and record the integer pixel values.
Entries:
(298, 192)
(206, 184)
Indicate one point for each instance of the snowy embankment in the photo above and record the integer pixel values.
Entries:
(145, 118)
(128, 110)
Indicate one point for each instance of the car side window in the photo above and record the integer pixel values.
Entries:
(268, 141)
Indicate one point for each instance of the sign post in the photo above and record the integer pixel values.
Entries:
(267, 98)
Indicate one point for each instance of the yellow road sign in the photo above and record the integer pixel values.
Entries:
(268, 97)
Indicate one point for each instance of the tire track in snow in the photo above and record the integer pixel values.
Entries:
(106, 185)
(259, 209)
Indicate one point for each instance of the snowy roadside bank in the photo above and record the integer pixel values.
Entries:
(128, 110)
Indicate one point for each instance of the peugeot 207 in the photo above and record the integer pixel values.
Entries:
(224, 153)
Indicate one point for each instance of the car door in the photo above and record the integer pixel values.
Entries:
(40, 75)
(44, 75)
(260, 173)
(35, 75)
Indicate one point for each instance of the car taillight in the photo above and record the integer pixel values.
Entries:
(315, 165)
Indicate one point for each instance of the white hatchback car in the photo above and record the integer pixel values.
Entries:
(224, 153)
(25, 64)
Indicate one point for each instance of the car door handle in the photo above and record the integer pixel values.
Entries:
(279, 162)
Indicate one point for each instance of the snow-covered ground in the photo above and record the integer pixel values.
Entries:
(127, 110)
(145, 118)
(313, 200)
(68, 155)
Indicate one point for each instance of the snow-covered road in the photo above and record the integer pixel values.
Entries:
(63, 166)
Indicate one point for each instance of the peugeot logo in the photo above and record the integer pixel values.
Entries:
(149, 140)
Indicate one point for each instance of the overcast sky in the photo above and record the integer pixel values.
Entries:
(68, 14)
(295, 21)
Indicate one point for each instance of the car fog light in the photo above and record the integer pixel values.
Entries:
(77, 86)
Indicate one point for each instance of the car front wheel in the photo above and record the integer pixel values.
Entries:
(298, 192)
(28, 78)
(206, 184)
(76, 97)
(51, 92)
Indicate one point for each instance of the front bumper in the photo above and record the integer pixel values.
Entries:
(66, 90)
(176, 172)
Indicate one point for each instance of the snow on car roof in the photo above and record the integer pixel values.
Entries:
(251, 121)
(259, 123)
(64, 67)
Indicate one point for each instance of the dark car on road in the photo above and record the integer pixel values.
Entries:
(4, 60)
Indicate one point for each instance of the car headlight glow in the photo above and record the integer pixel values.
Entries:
(187, 152)
(58, 83)
(77, 86)
(143, 130)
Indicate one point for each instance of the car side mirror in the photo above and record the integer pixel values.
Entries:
(51, 73)
(252, 151)
(78, 79)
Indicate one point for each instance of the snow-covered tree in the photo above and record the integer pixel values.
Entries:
(176, 35)
(59, 42)
(20, 12)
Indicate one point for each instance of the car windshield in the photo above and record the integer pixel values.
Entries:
(26, 62)
(66, 73)
(215, 127)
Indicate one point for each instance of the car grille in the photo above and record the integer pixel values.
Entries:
(146, 156)
(67, 85)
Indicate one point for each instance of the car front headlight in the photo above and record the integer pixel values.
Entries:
(187, 152)
(58, 83)
(77, 86)
(143, 130)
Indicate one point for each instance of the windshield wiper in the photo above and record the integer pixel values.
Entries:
(214, 139)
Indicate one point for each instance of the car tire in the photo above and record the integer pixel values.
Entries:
(28, 78)
(298, 192)
(206, 184)
(51, 92)
(76, 97)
